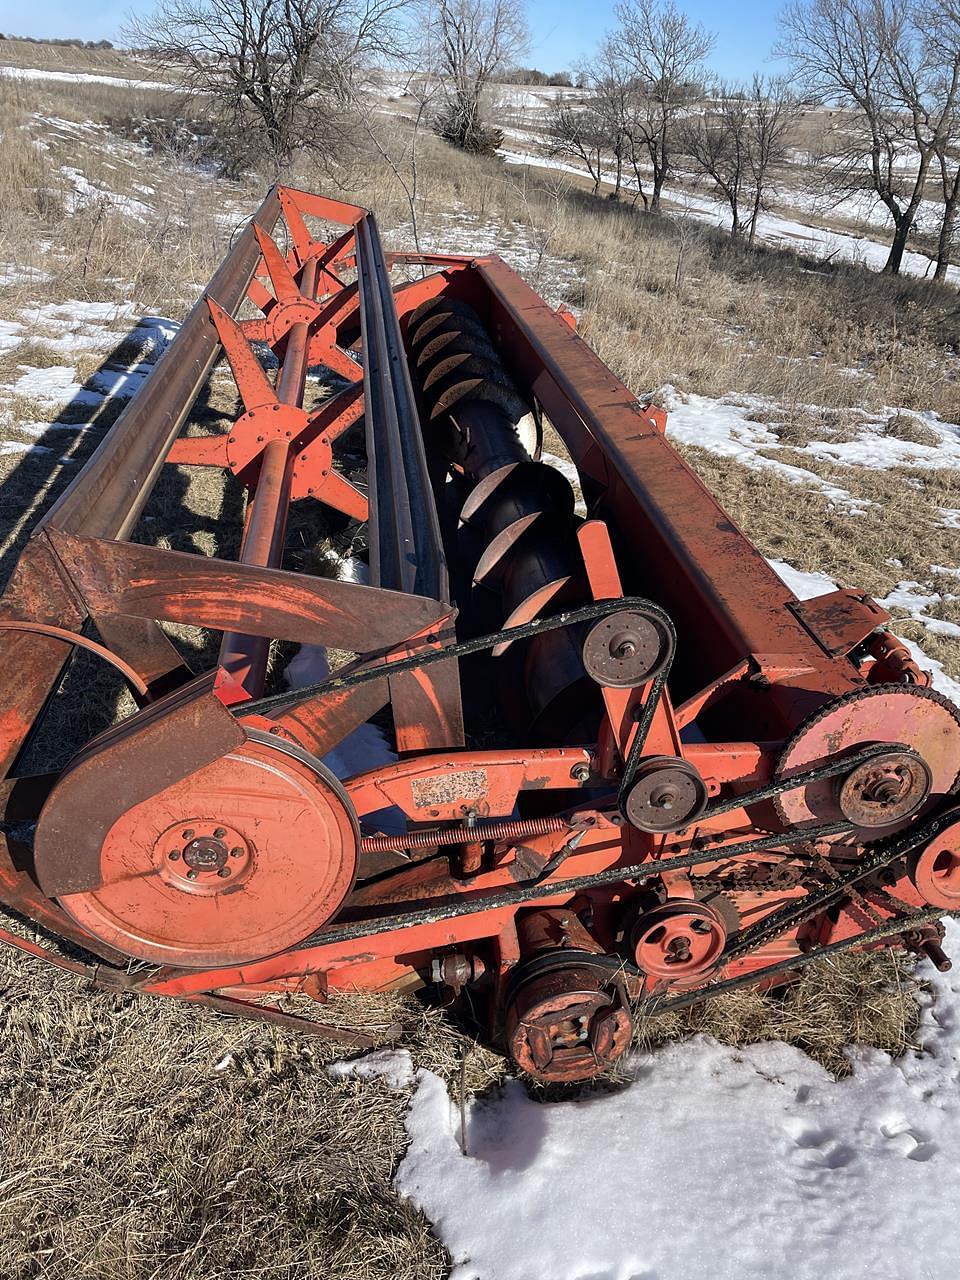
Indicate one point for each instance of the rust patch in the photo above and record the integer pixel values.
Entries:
(448, 788)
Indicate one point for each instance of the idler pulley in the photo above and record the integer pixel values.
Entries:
(680, 940)
(626, 649)
(666, 794)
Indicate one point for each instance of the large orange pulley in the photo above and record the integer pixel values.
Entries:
(239, 860)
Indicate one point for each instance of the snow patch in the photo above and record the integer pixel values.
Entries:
(723, 426)
(85, 192)
(805, 586)
(53, 386)
(733, 1164)
(879, 452)
(11, 274)
(10, 335)
(915, 600)
(81, 77)
(393, 1066)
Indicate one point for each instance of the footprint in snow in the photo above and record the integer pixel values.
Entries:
(907, 1141)
(818, 1148)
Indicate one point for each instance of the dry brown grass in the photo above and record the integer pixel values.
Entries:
(50, 57)
(907, 426)
(143, 1138)
(897, 536)
(854, 999)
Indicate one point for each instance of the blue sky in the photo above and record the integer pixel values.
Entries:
(565, 30)
(562, 30)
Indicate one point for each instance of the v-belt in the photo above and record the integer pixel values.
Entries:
(793, 913)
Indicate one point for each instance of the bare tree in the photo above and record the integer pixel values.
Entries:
(283, 69)
(736, 141)
(715, 140)
(876, 58)
(943, 27)
(601, 132)
(775, 110)
(579, 133)
(948, 164)
(614, 98)
(473, 41)
(664, 50)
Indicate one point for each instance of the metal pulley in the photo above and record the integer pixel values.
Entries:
(627, 649)
(566, 1016)
(666, 794)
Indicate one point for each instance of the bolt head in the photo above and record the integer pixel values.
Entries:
(220, 833)
(223, 872)
(174, 855)
(192, 874)
(188, 834)
(236, 852)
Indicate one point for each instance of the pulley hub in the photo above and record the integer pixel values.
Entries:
(885, 790)
(626, 649)
(567, 1018)
(884, 794)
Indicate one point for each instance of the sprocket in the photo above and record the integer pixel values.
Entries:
(907, 717)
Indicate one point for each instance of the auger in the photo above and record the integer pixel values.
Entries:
(627, 767)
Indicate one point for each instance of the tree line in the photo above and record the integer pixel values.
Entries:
(290, 73)
(888, 69)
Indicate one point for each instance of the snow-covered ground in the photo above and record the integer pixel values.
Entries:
(772, 228)
(70, 329)
(528, 107)
(744, 428)
(80, 77)
(713, 1163)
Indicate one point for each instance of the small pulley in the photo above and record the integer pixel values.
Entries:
(666, 794)
(681, 940)
(626, 649)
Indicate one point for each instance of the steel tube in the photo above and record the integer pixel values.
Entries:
(406, 551)
(245, 657)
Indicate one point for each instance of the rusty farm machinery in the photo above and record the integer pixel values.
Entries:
(627, 769)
